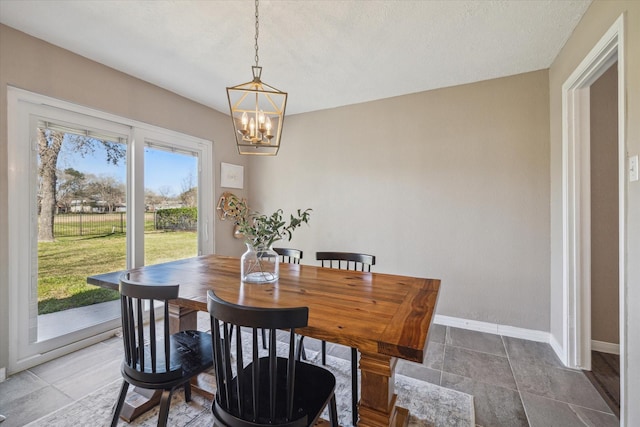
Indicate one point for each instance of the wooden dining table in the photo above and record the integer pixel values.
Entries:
(385, 316)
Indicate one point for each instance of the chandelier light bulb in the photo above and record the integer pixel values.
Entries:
(252, 127)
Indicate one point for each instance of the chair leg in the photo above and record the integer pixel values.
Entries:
(333, 412)
(165, 401)
(354, 385)
(187, 391)
(117, 407)
(324, 352)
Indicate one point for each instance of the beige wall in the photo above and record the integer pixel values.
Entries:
(604, 208)
(34, 65)
(595, 22)
(450, 183)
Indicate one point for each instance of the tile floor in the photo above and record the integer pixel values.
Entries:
(514, 382)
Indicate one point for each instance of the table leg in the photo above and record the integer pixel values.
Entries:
(182, 319)
(377, 398)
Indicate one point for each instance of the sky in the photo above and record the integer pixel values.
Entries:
(162, 168)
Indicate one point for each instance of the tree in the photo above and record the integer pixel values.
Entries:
(107, 189)
(165, 193)
(151, 199)
(72, 185)
(49, 145)
(189, 195)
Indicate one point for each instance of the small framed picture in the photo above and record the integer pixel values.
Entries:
(231, 176)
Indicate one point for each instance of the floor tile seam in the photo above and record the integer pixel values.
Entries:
(485, 382)
(48, 383)
(53, 385)
(480, 381)
(544, 365)
(42, 384)
(566, 403)
(524, 407)
(513, 374)
(474, 350)
(591, 409)
(60, 409)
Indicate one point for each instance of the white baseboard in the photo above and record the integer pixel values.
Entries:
(605, 347)
(3, 374)
(493, 328)
(557, 348)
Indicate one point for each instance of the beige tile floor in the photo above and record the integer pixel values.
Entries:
(514, 382)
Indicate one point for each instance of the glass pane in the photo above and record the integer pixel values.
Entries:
(81, 227)
(171, 204)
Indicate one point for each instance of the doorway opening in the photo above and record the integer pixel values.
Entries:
(604, 193)
(581, 276)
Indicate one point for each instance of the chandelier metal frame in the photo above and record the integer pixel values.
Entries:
(257, 111)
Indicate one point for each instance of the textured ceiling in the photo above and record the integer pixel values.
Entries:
(323, 53)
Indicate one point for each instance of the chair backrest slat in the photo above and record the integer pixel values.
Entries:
(152, 335)
(255, 371)
(291, 374)
(140, 339)
(288, 255)
(239, 366)
(346, 260)
(167, 343)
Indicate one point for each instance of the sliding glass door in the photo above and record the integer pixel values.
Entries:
(92, 193)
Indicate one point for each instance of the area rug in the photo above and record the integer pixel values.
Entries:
(428, 404)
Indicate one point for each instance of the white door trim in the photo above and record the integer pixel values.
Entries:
(576, 345)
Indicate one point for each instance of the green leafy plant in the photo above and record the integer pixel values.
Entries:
(261, 230)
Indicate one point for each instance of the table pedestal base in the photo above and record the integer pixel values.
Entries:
(138, 401)
(377, 406)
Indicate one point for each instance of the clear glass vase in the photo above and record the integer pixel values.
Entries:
(259, 265)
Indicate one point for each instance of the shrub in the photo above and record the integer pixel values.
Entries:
(184, 219)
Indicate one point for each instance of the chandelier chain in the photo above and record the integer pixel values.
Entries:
(256, 46)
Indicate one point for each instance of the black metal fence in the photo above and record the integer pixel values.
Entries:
(96, 224)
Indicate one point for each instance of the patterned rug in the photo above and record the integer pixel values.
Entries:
(428, 404)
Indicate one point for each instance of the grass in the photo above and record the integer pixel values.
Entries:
(63, 265)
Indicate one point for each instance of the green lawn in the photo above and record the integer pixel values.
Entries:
(63, 265)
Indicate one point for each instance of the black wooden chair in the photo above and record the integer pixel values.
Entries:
(290, 256)
(293, 256)
(269, 390)
(355, 262)
(154, 359)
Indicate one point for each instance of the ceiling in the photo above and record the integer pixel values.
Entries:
(324, 53)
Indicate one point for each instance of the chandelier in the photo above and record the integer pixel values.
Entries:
(257, 111)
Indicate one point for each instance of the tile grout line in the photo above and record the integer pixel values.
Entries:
(524, 408)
